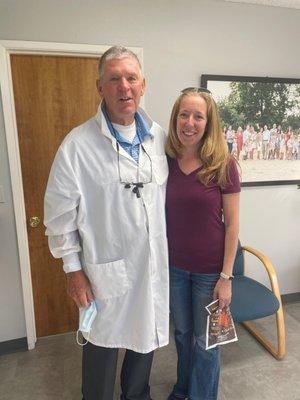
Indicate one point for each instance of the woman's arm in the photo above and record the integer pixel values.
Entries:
(231, 220)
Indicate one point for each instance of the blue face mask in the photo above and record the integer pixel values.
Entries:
(86, 319)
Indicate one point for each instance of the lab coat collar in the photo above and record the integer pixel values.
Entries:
(104, 130)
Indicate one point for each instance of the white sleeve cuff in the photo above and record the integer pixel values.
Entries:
(71, 263)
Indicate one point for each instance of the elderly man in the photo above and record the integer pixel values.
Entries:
(104, 213)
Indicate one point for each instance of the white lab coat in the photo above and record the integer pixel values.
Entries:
(121, 238)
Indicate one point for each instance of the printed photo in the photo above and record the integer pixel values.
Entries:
(261, 124)
(220, 327)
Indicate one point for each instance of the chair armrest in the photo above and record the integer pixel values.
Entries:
(269, 267)
(278, 352)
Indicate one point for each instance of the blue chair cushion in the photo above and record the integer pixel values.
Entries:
(238, 266)
(251, 300)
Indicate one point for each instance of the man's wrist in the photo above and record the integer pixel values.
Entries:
(68, 269)
(71, 263)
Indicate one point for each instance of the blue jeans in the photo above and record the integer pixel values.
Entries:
(197, 369)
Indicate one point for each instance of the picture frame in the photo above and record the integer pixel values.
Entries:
(260, 118)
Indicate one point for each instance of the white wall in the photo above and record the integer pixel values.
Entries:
(181, 41)
(12, 325)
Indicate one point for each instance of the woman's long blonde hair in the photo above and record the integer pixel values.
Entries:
(213, 151)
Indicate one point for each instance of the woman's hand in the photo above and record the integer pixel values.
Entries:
(223, 291)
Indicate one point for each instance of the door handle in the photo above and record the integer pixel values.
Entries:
(34, 222)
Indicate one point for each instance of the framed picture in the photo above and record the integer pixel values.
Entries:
(261, 123)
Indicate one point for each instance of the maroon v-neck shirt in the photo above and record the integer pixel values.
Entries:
(195, 226)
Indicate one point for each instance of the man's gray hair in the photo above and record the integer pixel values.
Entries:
(116, 52)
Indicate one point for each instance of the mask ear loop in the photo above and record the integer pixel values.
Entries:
(77, 338)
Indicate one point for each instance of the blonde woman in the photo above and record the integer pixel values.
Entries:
(202, 206)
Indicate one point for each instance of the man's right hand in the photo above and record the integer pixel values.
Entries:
(79, 288)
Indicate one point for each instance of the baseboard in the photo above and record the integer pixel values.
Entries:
(11, 346)
(290, 298)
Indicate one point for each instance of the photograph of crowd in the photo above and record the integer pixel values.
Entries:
(263, 144)
(261, 125)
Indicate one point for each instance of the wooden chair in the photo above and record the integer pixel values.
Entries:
(252, 300)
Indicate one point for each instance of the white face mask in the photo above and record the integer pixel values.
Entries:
(86, 319)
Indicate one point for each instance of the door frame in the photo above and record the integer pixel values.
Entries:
(8, 47)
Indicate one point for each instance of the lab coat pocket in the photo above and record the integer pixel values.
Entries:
(160, 168)
(108, 280)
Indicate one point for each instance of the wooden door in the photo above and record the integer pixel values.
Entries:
(52, 95)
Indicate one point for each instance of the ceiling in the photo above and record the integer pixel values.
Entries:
(274, 3)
